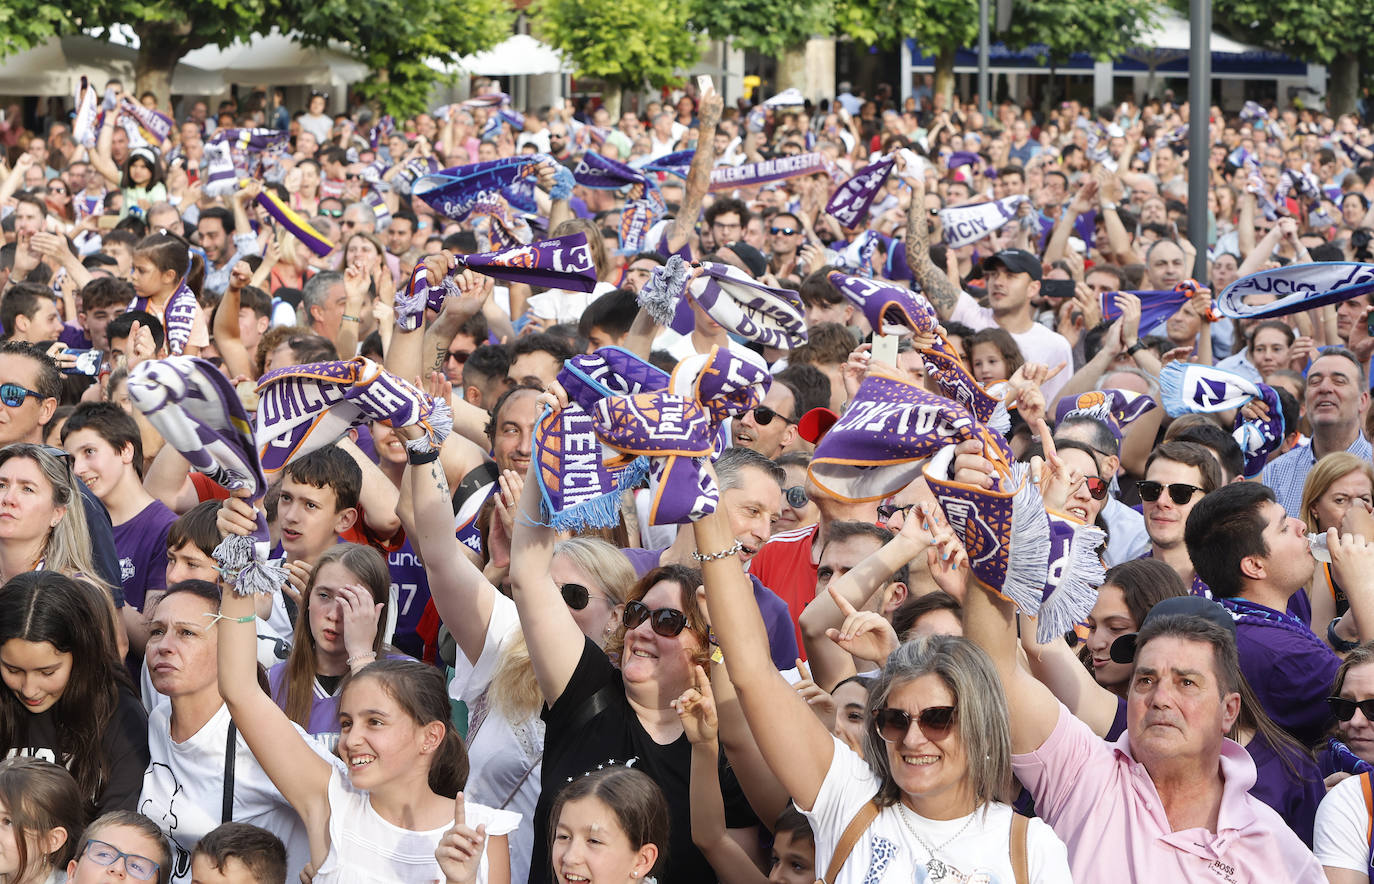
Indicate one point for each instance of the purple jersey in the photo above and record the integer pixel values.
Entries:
(409, 596)
(141, 544)
(75, 337)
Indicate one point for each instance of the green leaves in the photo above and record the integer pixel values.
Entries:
(1102, 28)
(766, 26)
(1314, 32)
(627, 42)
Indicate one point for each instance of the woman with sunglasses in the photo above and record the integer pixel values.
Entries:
(595, 713)
(495, 673)
(798, 510)
(937, 748)
(1350, 748)
(58, 198)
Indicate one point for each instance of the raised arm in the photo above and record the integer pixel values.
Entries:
(935, 285)
(103, 160)
(1056, 666)
(801, 753)
(301, 775)
(698, 174)
(237, 360)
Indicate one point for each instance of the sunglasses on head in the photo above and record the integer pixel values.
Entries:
(14, 395)
(61, 454)
(796, 496)
(576, 596)
(763, 416)
(894, 724)
(667, 622)
(1344, 709)
(1179, 492)
(783, 231)
(1097, 488)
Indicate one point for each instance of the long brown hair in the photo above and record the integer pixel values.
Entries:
(40, 796)
(420, 691)
(302, 664)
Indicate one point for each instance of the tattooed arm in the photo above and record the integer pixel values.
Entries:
(698, 174)
(935, 285)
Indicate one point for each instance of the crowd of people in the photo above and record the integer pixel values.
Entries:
(335, 546)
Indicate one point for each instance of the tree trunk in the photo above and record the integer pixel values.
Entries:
(792, 68)
(1344, 84)
(944, 75)
(160, 47)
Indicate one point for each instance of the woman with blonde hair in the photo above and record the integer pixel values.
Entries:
(494, 673)
(48, 525)
(1337, 482)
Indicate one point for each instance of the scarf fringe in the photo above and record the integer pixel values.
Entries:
(665, 288)
(1074, 593)
(1028, 552)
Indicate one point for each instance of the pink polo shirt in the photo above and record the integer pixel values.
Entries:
(1102, 802)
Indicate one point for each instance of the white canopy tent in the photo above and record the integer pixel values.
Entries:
(521, 54)
(56, 68)
(278, 59)
(1171, 37)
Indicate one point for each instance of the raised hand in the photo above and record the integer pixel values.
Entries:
(696, 708)
(460, 850)
(817, 697)
(360, 617)
(864, 634)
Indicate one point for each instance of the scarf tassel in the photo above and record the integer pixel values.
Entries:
(437, 428)
(665, 288)
(1071, 590)
(599, 512)
(1028, 553)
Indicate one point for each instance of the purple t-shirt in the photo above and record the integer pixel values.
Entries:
(782, 638)
(411, 587)
(73, 336)
(141, 544)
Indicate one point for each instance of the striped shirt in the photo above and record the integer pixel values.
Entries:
(1287, 473)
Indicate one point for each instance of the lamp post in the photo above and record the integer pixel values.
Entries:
(983, 51)
(1199, 135)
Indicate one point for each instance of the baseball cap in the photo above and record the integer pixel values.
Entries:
(1016, 261)
(752, 257)
(815, 423)
(1123, 649)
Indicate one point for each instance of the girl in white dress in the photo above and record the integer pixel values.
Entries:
(378, 815)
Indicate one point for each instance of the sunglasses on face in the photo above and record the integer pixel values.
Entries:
(796, 496)
(332, 213)
(61, 190)
(1179, 492)
(667, 622)
(576, 596)
(888, 510)
(1097, 488)
(1344, 709)
(14, 395)
(894, 724)
(763, 416)
(783, 231)
(458, 356)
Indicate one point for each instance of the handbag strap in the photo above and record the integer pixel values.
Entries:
(231, 745)
(520, 782)
(1019, 865)
(849, 838)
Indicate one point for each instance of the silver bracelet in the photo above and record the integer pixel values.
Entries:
(723, 554)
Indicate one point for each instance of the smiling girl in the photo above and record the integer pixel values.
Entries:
(610, 826)
(69, 700)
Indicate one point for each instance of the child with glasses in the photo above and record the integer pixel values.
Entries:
(124, 840)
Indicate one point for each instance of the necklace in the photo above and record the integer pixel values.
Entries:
(935, 867)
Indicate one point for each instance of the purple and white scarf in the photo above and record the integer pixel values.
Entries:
(1298, 287)
(381, 130)
(1155, 306)
(964, 225)
(1116, 409)
(755, 312)
(726, 382)
(178, 318)
(674, 433)
(294, 223)
(198, 412)
(155, 125)
(1189, 388)
(643, 204)
(852, 200)
(305, 407)
(580, 481)
(496, 225)
(83, 123)
(221, 178)
(776, 169)
(565, 262)
(453, 192)
(890, 309)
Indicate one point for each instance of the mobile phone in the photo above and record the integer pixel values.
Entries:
(704, 84)
(1057, 288)
(885, 349)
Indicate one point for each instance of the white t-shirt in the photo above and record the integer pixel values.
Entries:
(366, 849)
(561, 305)
(887, 853)
(503, 756)
(183, 791)
(1037, 344)
(1340, 839)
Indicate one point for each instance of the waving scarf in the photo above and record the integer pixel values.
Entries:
(177, 318)
(676, 163)
(1155, 306)
(776, 169)
(496, 225)
(564, 262)
(643, 204)
(964, 225)
(1298, 287)
(154, 125)
(453, 192)
(381, 130)
(755, 312)
(580, 481)
(194, 407)
(1117, 409)
(294, 223)
(83, 123)
(305, 407)
(1187, 388)
(672, 432)
(726, 382)
(1260, 437)
(852, 200)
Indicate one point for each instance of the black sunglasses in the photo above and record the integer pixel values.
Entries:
(796, 496)
(1179, 492)
(763, 416)
(667, 622)
(1344, 709)
(458, 356)
(14, 395)
(894, 724)
(888, 510)
(576, 596)
(784, 231)
(61, 454)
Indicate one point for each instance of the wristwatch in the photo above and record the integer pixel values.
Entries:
(1135, 348)
(1109, 207)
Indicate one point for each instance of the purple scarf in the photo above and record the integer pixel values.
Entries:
(579, 483)
(453, 192)
(1298, 287)
(381, 131)
(673, 432)
(852, 200)
(603, 173)
(726, 382)
(154, 123)
(178, 317)
(676, 163)
(1117, 409)
(1261, 438)
(755, 312)
(565, 262)
(776, 169)
(305, 407)
(296, 225)
(1155, 306)
(496, 226)
(198, 412)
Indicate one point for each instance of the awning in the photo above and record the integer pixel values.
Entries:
(520, 54)
(278, 59)
(57, 66)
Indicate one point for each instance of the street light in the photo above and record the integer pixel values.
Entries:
(1199, 135)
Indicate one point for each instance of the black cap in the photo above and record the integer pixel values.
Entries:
(752, 257)
(1123, 649)
(1016, 261)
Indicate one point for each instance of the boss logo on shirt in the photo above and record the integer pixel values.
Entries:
(1224, 872)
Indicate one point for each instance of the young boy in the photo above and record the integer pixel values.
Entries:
(107, 453)
(237, 853)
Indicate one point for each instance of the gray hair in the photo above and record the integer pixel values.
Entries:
(732, 462)
(1151, 382)
(316, 290)
(981, 713)
(365, 214)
